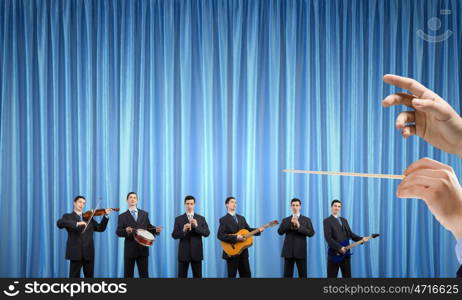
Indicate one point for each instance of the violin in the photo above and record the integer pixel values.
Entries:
(98, 212)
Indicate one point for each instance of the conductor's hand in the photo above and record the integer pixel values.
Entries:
(437, 185)
(435, 120)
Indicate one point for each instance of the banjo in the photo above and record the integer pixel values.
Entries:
(143, 237)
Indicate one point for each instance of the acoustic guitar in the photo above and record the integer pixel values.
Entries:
(339, 257)
(239, 247)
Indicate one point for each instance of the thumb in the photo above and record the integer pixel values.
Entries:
(439, 109)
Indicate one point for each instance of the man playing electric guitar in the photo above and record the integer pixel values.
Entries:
(337, 233)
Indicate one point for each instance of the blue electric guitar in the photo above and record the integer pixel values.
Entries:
(339, 257)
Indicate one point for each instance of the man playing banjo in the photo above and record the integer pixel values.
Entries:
(135, 227)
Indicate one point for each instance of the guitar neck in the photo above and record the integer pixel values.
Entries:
(355, 244)
(254, 232)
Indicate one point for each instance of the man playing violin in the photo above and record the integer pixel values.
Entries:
(80, 249)
(129, 221)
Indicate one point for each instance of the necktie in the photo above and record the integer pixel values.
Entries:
(134, 215)
(190, 217)
(80, 218)
(340, 221)
(235, 218)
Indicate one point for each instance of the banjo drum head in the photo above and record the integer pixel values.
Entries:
(144, 237)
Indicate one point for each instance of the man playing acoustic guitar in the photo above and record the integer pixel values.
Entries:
(230, 224)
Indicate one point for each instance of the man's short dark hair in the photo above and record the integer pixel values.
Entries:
(335, 201)
(79, 197)
(131, 193)
(189, 197)
(296, 200)
(229, 198)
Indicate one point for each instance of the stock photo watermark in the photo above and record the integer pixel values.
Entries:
(434, 25)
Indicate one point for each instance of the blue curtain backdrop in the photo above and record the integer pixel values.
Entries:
(214, 98)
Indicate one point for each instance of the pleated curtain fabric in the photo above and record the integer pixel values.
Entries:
(215, 98)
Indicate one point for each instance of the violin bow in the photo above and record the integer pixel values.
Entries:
(91, 217)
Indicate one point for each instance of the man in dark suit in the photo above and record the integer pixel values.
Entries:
(336, 231)
(230, 224)
(189, 228)
(80, 249)
(129, 221)
(296, 228)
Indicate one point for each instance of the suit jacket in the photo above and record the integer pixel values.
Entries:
(334, 233)
(228, 226)
(80, 245)
(131, 247)
(190, 247)
(295, 239)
